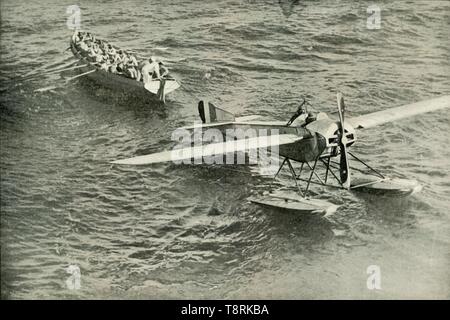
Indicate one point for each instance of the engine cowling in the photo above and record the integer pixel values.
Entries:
(329, 129)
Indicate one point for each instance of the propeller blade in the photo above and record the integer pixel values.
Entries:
(344, 168)
(341, 107)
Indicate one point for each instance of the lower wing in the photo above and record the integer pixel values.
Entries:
(212, 149)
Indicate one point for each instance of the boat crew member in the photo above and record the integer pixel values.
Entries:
(104, 66)
(113, 68)
(111, 50)
(93, 49)
(123, 57)
(76, 36)
(163, 69)
(90, 37)
(88, 43)
(116, 56)
(83, 46)
(132, 59)
(92, 53)
(150, 67)
(121, 68)
(95, 54)
(131, 72)
(104, 46)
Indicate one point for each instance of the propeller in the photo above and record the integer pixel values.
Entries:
(342, 139)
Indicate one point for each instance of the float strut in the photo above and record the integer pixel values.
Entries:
(281, 167)
(328, 168)
(291, 168)
(311, 175)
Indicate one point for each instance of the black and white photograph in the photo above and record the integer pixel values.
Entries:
(225, 150)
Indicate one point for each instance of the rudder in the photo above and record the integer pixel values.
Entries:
(210, 113)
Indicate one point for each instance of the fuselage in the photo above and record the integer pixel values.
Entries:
(319, 138)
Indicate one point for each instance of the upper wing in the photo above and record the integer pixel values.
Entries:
(212, 149)
(409, 110)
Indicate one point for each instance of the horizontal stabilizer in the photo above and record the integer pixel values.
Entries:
(212, 149)
(389, 115)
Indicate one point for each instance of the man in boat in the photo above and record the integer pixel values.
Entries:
(104, 66)
(131, 72)
(76, 36)
(111, 51)
(83, 46)
(87, 36)
(113, 68)
(163, 71)
(122, 57)
(123, 69)
(150, 67)
(132, 60)
(130, 67)
(115, 56)
(104, 46)
(96, 54)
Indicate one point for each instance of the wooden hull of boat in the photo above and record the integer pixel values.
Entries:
(119, 84)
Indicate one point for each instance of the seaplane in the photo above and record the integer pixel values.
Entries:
(319, 144)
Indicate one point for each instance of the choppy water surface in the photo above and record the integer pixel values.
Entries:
(169, 231)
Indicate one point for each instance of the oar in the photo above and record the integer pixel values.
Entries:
(80, 75)
(44, 67)
(67, 69)
(37, 71)
(55, 71)
(65, 82)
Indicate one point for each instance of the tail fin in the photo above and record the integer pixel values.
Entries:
(210, 113)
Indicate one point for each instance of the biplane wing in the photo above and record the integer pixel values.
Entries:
(409, 110)
(212, 149)
(244, 121)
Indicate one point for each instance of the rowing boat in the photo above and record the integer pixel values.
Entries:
(121, 83)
